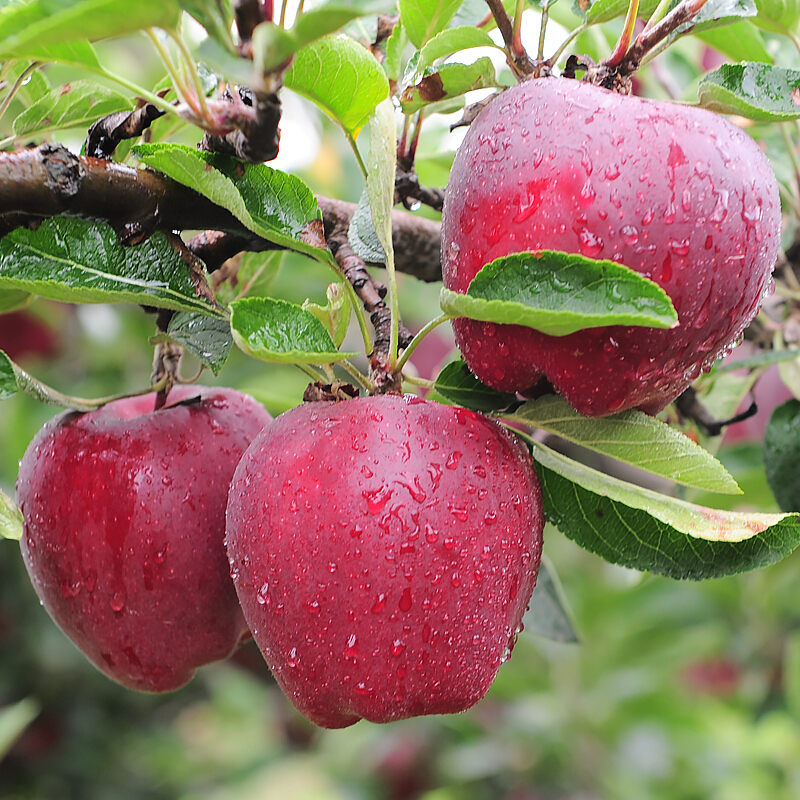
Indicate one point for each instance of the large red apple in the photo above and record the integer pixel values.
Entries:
(384, 550)
(124, 513)
(676, 193)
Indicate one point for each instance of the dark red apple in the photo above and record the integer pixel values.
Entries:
(384, 550)
(676, 193)
(124, 513)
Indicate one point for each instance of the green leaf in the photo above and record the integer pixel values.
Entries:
(763, 359)
(27, 28)
(605, 10)
(12, 299)
(215, 17)
(782, 454)
(548, 614)
(255, 276)
(11, 522)
(207, 338)
(234, 69)
(450, 80)
(740, 41)
(633, 438)
(395, 45)
(9, 385)
(80, 261)
(342, 77)
(719, 13)
(13, 721)
(278, 207)
(641, 529)
(453, 40)
(272, 46)
(778, 16)
(560, 293)
(754, 90)
(281, 333)
(381, 166)
(35, 86)
(361, 233)
(458, 385)
(74, 105)
(423, 19)
(335, 316)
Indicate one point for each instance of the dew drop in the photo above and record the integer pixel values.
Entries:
(405, 600)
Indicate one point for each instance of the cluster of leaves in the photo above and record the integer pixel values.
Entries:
(323, 58)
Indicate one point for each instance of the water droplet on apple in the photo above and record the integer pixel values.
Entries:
(405, 600)
(380, 604)
(397, 647)
(630, 234)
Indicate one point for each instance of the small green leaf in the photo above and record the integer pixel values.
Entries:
(641, 529)
(740, 41)
(342, 77)
(26, 28)
(560, 293)
(633, 438)
(230, 66)
(13, 721)
(8, 377)
(80, 261)
(423, 19)
(281, 333)
(782, 454)
(450, 80)
(395, 45)
(272, 46)
(720, 13)
(11, 521)
(362, 235)
(335, 316)
(453, 40)
(778, 16)
(12, 299)
(215, 17)
(458, 385)
(381, 166)
(754, 90)
(74, 105)
(605, 10)
(207, 338)
(548, 614)
(278, 207)
(332, 15)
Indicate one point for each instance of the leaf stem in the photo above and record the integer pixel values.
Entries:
(46, 394)
(184, 94)
(542, 29)
(434, 323)
(563, 46)
(29, 70)
(355, 373)
(361, 165)
(516, 30)
(191, 67)
(626, 37)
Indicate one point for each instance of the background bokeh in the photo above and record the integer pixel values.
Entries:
(677, 690)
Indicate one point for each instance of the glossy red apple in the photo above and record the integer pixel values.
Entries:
(678, 194)
(124, 513)
(384, 550)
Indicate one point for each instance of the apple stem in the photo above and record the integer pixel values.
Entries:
(625, 38)
(516, 31)
(412, 345)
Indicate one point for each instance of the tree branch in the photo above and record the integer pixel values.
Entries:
(50, 181)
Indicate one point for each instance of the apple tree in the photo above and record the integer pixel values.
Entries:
(610, 194)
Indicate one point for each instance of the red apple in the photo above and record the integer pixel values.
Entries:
(384, 550)
(676, 193)
(124, 513)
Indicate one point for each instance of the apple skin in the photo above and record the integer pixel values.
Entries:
(124, 514)
(676, 193)
(384, 550)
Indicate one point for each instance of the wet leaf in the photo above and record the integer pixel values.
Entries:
(74, 105)
(362, 236)
(80, 261)
(381, 165)
(641, 529)
(271, 203)
(782, 454)
(448, 81)
(560, 293)
(342, 77)
(458, 385)
(720, 13)
(281, 333)
(754, 90)
(11, 527)
(207, 338)
(335, 316)
(633, 438)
